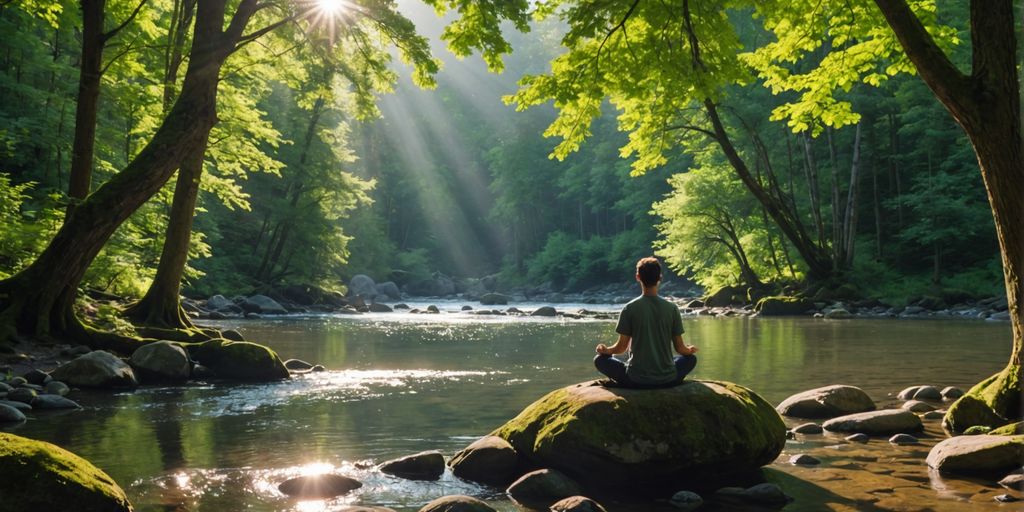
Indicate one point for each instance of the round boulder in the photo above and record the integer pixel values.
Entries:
(97, 369)
(577, 504)
(917, 406)
(928, 393)
(54, 402)
(544, 311)
(686, 501)
(885, 422)
(318, 486)
(490, 460)
(543, 487)
(239, 360)
(420, 466)
(457, 503)
(261, 304)
(493, 299)
(951, 393)
(9, 414)
(977, 454)
(42, 476)
(362, 285)
(699, 433)
(162, 361)
(826, 402)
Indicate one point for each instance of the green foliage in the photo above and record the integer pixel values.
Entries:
(23, 230)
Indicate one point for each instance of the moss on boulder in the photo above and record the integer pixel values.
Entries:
(41, 476)
(783, 306)
(239, 360)
(994, 402)
(699, 434)
(725, 296)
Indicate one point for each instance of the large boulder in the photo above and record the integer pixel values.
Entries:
(437, 286)
(263, 305)
(219, 302)
(826, 402)
(97, 369)
(239, 360)
(725, 296)
(362, 285)
(877, 423)
(978, 454)
(42, 476)
(696, 434)
(162, 361)
(490, 460)
(390, 290)
(493, 299)
(783, 306)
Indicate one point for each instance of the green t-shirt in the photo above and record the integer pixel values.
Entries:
(651, 322)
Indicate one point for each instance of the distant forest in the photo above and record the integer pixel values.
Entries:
(311, 179)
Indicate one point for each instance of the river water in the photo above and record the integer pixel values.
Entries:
(400, 383)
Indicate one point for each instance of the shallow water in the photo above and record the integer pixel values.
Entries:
(401, 383)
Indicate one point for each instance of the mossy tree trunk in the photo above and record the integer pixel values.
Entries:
(986, 103)
(38, 301)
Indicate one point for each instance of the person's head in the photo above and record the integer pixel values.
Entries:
(648, 271)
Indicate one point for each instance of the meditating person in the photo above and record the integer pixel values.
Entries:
(650, 327)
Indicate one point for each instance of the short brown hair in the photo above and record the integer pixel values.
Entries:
(649, 270)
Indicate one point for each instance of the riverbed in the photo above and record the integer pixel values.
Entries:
(400, 383)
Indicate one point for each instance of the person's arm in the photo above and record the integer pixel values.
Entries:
(682, 347)
(619, 347)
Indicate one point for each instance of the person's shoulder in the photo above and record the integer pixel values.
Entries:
(634, 302)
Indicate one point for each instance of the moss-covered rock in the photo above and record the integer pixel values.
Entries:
(1013, 429)
(725, 296)
(783, 306)
(696, 435)
(239, 360)
(977, 454)
(994, 402)
(42, 476)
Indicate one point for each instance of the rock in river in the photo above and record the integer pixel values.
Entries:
(917, 406)
(490, 460)
(54, 402)
(577, 504)
(977, 454)
(543, 487)
(97, 369)
(41, 476)
(318, 486)
(457, 503)
(161, 361)
(696, 434)
(9, 414)
(239, 360)
(420, 466)
(885, 422)
(544, 311)
(261, 304)
(826, 402)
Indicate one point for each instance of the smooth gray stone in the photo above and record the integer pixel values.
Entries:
(54, 402)
(686, 500)
(903, 439)
(9, 414)
(803, 459)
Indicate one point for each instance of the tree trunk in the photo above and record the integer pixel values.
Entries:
(88, 101)
(986, 104)
(838, 240)
(849, 231)
(812, 185)
(37, 302)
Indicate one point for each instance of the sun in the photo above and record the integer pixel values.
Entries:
(331, 7)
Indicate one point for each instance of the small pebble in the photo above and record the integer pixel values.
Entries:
(858, 438)
(903, 439)
(803, 459)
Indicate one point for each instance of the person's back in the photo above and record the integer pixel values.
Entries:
(650, 327)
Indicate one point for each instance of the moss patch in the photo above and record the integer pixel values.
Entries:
(782, 306)
(42, 476)
(239, 360)
(994, 402)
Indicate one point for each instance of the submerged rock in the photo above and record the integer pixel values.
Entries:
(577, 504)
(318, 486)
(457, 503)
(54, 402)
(41, 476)
(826, 402)
(543, 487)
(420, 466)
(162, 361)
(490, 460)
(976, 454)
(9, 414)
(97, 369)
(239, 360)
(686, 501)
(699, 433)
(885, 422)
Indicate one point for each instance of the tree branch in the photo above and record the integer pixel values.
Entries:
(113, 32)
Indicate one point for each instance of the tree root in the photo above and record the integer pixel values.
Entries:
(994, 402)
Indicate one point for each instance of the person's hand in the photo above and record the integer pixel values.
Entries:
(602, 349)
(693, 350)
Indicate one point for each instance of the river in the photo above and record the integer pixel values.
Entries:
(400, 383)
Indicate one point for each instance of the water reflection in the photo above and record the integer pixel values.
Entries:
(440, 381)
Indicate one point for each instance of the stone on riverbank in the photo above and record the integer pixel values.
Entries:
(490, 460)
(97, 369)
(377, 307)
(783, 306)
(419, 466)
(162, 361)
(21, 406)
(263, 305)
(977, 454)
(951, 393)
(457, 503)
(885, 422)
(24, 395)
(493, 299)
(239, 360)
(543, 487)
(826, 402)
(298, 365)
(696, 434)
(9, 414)
(808, 429)
(577, 504)
(903, 439)
(994, 402)
(544, 311)
(56, 387)
(319, 486)
(803, 459)
(54, 402)
(1009, 430)
(41, 476)
(857, 438)
(917, 406)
